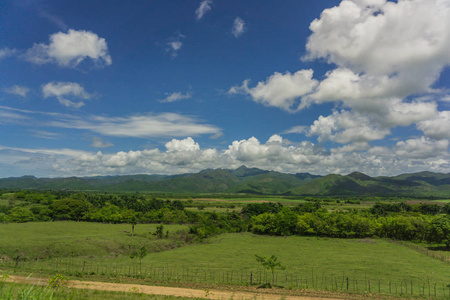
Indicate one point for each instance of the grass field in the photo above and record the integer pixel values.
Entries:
(72, 244)
(46, 240)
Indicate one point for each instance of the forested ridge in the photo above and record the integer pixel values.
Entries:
(249, 181)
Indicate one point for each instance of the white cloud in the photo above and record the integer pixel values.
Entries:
(238, 27)
(346, 127)
(7, 52)
(381, 37)
(186, 156)
(137, 126)
(61, 90)
(176, 96)
(54, 19)
(205, 6)
(99, 143)
(17, 90)
(174, 45)
(280, 90)
(61, 151)
(70, 49)
(437, 127)
(45, 134)
(387, 55)
(421, 148)
(187, 144)
(122, 159)
(297, 129)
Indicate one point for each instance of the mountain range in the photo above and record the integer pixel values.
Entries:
(249, 181)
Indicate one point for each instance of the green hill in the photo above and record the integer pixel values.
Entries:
(249, 181)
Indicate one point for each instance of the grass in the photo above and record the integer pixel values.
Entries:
(42, 240)
(376, 259)
(108, 246)
(27, 291)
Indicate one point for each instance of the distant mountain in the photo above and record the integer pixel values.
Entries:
(249, 181)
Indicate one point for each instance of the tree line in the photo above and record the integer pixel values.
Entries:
(421, 222)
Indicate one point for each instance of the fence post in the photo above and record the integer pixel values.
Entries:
(251, 277)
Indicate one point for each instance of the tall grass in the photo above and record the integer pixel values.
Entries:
(10, 291)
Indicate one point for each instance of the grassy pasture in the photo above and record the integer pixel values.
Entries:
(109, 244)
(46, 240)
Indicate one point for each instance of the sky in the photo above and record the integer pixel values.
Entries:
(121, 87)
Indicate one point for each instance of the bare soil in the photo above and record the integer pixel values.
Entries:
(189, 292)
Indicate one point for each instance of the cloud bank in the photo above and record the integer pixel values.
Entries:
(186, 155)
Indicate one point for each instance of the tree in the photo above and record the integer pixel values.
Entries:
(159, 231)
(20, 215)
(141, 253)
(439, 230)
(270, 263)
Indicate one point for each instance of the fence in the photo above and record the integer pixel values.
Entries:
(301, 279)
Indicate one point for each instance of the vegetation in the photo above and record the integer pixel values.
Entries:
(249, 181)
(270, 263)
(326, 239)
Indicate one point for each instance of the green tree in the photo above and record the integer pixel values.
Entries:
(159, 231)
(439, 231)
(140, 254)
(20, 215)
(270, 263)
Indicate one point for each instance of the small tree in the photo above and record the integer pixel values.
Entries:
(270, 263)
(141, 253)
(159, 231)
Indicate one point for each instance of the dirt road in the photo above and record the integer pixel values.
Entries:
(168, 291)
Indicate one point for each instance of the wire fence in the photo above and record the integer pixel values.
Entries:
(301, 279)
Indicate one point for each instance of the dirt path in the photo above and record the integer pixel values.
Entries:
(167, 291)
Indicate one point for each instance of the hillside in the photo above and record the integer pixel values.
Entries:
(249, 181)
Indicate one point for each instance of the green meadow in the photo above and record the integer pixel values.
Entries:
(102, 252)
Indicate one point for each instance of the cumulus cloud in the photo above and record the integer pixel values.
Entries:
(70, 49)
(18, 90)
(61, 90)
(421, 148)
(385, 56)
(381, 37)
(186, 156)
(438, 127)
(176, 96)
(280, 90)
(346, 127)
(238, 27)
(204, 7)
(187, 144)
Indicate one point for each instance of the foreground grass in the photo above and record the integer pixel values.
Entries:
(26, 291)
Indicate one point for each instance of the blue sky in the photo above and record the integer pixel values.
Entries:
(163, 87)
